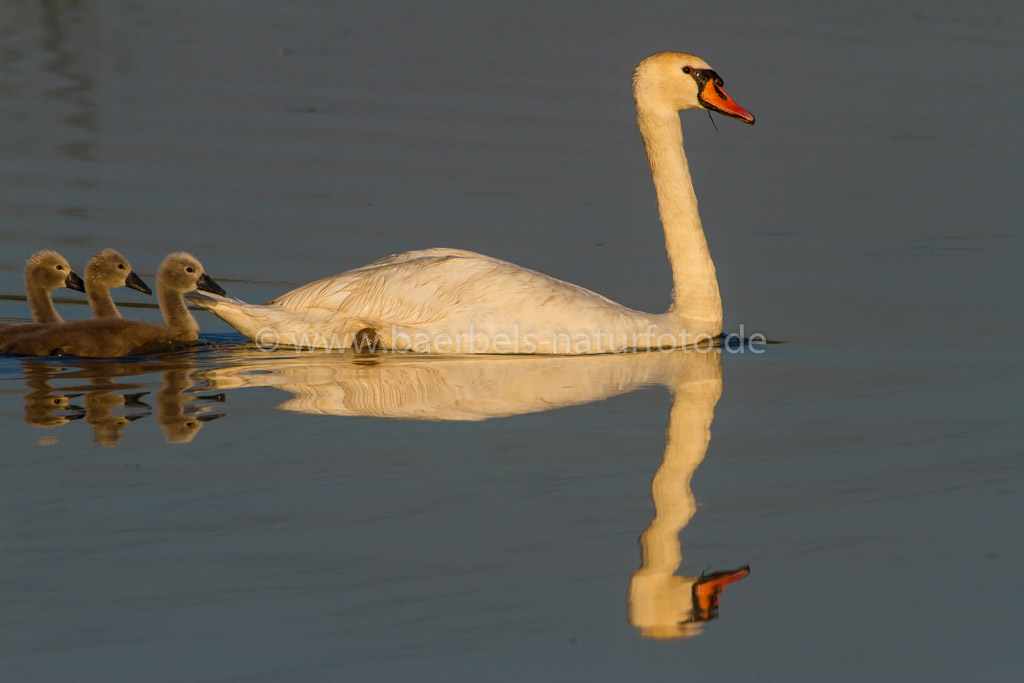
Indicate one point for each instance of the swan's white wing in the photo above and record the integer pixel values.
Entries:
(424, 287)
(443, 301)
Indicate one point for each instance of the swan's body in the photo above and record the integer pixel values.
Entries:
(115, 337)
(104, 271)
(45, 271)
(453, 301)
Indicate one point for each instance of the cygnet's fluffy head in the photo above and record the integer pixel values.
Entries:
(674, 81)
(181, 272)
(49, 270)
(109, 269)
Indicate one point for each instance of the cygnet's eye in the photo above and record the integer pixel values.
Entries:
(120, 266)
(190, 269)
(686, 69)
(60, 267)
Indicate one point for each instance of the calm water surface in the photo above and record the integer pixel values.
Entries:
(233, 514)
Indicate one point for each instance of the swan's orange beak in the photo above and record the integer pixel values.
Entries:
(715, 99)
(709, 587)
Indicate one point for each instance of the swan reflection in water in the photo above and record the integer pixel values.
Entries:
(94, 392)
(661, 603)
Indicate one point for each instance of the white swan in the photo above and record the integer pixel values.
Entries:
(454, 301)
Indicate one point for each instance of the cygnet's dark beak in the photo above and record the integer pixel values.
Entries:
(206, 284)
(72, 281)
(133, 281)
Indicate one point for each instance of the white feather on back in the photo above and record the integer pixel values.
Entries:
(430, 286)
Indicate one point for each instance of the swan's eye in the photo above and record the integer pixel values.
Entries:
(719, 81)
(190, 269)
(686, 69)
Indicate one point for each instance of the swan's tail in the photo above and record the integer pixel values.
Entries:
(272, 326)
(252, 320)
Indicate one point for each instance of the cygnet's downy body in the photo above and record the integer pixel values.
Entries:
(115, 337)
(45, 271)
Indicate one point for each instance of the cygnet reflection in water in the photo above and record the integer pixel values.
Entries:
(46, 406)
(179, 418)
(661, 603)
(109, 406)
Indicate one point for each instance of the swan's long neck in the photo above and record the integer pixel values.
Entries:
(41, 303)
(176, 313)
(101, 303)
(696, 301)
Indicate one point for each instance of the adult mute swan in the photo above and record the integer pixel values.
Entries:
(454, 301)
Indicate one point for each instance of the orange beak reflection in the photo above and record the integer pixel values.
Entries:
(715, 99)
(709, 587)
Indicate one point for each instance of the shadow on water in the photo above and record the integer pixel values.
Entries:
(108, 396)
